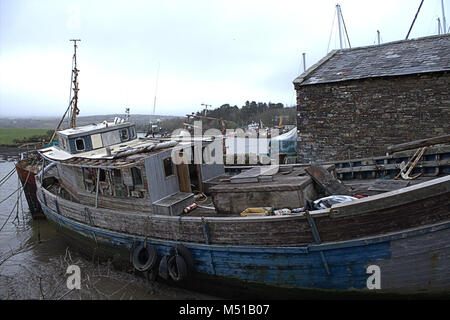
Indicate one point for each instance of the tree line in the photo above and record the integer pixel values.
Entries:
(267, 113)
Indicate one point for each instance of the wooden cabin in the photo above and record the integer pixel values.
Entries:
(107, 166)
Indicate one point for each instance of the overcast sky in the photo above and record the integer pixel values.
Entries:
(206, 51)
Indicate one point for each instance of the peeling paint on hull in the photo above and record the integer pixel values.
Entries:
(412, 261)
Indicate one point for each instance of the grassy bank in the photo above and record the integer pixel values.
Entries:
(16, 136)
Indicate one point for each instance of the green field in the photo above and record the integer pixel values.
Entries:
(7, 135)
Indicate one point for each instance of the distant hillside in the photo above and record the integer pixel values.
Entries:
(141, 120)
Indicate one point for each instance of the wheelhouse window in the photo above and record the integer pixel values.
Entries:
(102, 177)
(168, 167)
(88, 181)
(124, 134)
(132, 132)
(119, 188)
(79, 144)
(137, 176)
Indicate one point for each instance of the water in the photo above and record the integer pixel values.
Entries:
(34, 258)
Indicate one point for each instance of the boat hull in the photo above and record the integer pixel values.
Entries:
(26, 176)
(412, 261)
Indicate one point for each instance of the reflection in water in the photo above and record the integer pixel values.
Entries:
(34, 258)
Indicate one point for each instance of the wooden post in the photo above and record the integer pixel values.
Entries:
(418, 143)
(97, 186)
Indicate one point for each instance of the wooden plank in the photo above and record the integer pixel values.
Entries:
(388, 185)
(419, 143)
(416, 206)
(183, 178)
(327, 181)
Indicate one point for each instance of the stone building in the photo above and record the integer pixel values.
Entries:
(356, 102)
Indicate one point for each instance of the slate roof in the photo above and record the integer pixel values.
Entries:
(428, 54)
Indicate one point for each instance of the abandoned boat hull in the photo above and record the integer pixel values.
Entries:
(26, 174)
(415, 260)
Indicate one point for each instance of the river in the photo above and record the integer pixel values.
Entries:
(34, 258)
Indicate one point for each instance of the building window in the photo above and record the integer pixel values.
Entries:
(79, 144)
(124, 134)
(137, 176)
(168, 167)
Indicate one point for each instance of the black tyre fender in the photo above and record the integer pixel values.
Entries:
(152, 274)
(163, 269)
(184, 252)
(177, 268)
(144, 257)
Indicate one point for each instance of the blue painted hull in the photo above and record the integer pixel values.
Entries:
(305, 267)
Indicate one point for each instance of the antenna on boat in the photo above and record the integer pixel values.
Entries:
(74, 111)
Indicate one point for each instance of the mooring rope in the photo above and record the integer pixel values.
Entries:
(11, 195)
(8, 216)
(8, 175)
(21, 187)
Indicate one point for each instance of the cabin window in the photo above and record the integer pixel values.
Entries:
(124, 134)
(137, 176)
(79, 144)
(168, 167)
(117, 175)
(132, 132)
(88, 182)
(62, 143)
(119, 188)
(102, 177)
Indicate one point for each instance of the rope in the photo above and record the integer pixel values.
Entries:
(410, 28)
(9, 216)
(346, 33)
(10, 195)
(332, 27)
(8, 175)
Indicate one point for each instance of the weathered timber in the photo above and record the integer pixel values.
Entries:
(327, 181)
(289, 190)
(388, 185)
(419, 143)
(419, 205)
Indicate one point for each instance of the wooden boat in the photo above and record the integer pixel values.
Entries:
(27, 168)
(127, 201)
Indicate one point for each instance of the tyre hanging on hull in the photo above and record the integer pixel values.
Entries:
(185, 253)
(144, 257)
(177, 268)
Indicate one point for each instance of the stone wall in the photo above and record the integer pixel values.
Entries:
(360, 118)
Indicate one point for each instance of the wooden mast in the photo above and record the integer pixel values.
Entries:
(74, 110)
(73, 104)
